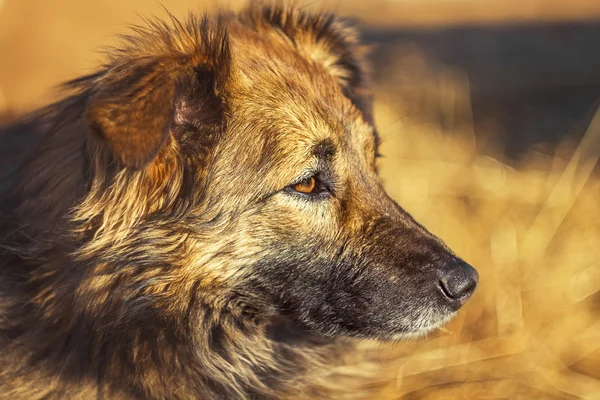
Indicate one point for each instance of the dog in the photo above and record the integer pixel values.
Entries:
(201, 218)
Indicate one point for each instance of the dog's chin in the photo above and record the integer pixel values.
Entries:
(400, 328)
(415, 329)
(420, 330)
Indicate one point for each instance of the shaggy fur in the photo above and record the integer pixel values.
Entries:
(156, 241)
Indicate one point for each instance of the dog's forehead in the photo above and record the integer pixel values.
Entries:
(291, 100)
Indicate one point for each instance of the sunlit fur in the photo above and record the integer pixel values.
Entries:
(150, 245)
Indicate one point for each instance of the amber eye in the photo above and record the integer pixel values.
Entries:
(306, 186)
(315, 187)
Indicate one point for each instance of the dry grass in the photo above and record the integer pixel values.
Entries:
(532, 329)
(533, 231)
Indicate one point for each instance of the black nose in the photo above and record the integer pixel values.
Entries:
(458, 281)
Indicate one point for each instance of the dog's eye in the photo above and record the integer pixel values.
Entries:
(306, 186)
(312, 187)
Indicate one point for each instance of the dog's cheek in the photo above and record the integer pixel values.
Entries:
(314, 292)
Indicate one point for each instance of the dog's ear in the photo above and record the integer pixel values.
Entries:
(135, 101)
(133, 110)
(331, 42)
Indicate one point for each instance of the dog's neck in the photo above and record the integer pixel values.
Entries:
(204, 355)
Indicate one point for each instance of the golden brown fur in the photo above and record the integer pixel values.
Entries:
(152, 244)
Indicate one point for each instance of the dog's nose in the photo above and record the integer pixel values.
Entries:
(458, 281)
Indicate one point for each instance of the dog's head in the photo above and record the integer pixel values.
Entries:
(244, 173)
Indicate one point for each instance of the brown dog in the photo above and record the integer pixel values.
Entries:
(202, 219)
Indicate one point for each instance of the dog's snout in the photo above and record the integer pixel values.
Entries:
(458, 281)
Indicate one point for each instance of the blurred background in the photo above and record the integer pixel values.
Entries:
(488, 111)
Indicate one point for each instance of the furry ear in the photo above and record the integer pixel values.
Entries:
(132, 104)
(330, 42)
(133, 111)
